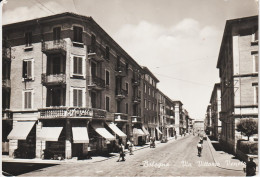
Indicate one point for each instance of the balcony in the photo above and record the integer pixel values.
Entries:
(137, 99)
(6, 53)
(120, 71)
(121, 93)
(6, 83)
(121, 117)
(96, 53)
(136, 119)
(53, 79)
(135, 82)
(54, 47)
(96, 83)
(71, 112)
(171, 117)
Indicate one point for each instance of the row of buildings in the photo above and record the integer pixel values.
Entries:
(69, 88)
(236, 96)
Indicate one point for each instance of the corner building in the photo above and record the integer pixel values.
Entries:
(74, 89)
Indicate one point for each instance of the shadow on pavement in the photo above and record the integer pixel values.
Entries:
(15, 169)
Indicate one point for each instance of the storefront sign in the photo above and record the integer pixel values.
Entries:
(79, 112)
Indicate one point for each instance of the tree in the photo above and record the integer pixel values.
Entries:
(248, 126)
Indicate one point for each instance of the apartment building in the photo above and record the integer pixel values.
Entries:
(178, 115)
(238, 71)
(208, 121)
(151, 122)
(215, 102)
(74, 89)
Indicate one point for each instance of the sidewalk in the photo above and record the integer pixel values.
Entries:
(6, 158)
(224, 160)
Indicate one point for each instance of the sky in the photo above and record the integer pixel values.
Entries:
(178, 40)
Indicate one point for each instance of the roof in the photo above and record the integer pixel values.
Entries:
(150, 73)
(89, 19)
(242, 22)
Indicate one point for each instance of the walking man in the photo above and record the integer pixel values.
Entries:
(250, 167)
(121, 152)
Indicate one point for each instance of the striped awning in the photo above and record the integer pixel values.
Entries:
(159, 130)
(21, 130)
(145, 131)
(138, 132)
(80, 135)
(49, 133)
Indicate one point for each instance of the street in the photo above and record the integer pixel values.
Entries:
(173, 158)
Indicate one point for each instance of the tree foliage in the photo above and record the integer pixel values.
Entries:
(248, 126)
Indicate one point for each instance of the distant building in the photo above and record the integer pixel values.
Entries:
(198, 126)
(208, 121)
(215, 102)
(238, 71)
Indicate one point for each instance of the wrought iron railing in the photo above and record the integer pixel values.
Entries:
(121, 92)
(48, 79)
(94, 80)
(121, 116)
(54, 45)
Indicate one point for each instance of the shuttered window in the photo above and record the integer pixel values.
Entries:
(107, 103)
(107, 53)
(56, 34)
(77, 34)
(77, 65)
(77, 97)
(28, 100)
(256, 63)
(28, 39)
(27, 69)
(107, 78)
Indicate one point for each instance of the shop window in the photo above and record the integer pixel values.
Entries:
(56, 34)
(28, 39)
(27, 99)
(77, 34)
(27, 69)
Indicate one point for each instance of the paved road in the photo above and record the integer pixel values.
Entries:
(173, 158)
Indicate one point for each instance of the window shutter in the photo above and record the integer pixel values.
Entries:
(24, 69)
(75, 97)
(75, 33)
(75, 65)
(80, 65)
(107, 78)
(256, 35)
(29, 69)
(71, 65)
(107, 103)
(29, 96)
(80, 35)
(80, 98)
(25, 100)
(30, 38)
(256, 63)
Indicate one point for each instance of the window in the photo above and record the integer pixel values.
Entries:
(144, 88)
(149, 90)
(126, 108)
(126, 67)
(78, 97)
(255, 36)
(256, 94)
(145, 104)
(107, 103)
(107, 77)
(77, 34)
(77, 65)
(56, 34)
(107, 52)
(28, 39)
(255, 63)
(27, 99)
(149, 105)
(126, 87)
(28, 69)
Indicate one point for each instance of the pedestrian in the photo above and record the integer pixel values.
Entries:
(130, 147)
(199, 147)
(121, 152)
(250, 167)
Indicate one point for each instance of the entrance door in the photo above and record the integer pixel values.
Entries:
(77, 150)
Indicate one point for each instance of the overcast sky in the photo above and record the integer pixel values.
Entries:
(178, 40)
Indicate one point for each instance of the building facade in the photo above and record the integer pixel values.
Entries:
(238, 71)
(215, 102)
(208, 121)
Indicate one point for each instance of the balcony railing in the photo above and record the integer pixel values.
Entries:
(96, 53)
(71, 112)
(6, 83)
(6, 53)
(96, 83)
(136, 99)
(121, 117)
(136, 81)
(52, 47)
(136, 119)
(120, 71)
(121, 93)
(53, 79)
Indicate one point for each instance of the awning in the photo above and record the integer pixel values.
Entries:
(138, 132)
(50, 133)
(159, 130)
(116, 130)
(21, 130)
(80, 135)
(145, 131)
(102, 131)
